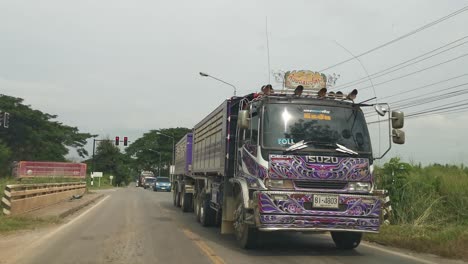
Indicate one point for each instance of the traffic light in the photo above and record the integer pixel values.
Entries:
(125, 141)
(6, 120)
(117, 140)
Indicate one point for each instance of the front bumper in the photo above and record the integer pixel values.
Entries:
(163, 188)
(278, 210)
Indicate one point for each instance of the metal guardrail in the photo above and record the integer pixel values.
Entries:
(22, 198)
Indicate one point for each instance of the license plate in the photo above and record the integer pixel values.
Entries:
(325, 201)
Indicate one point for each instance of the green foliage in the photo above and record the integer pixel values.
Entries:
(10, 224)
(425, 196)
(5, 154)
(34, 135)
(445, 240)
(146, 151)
(110, 160)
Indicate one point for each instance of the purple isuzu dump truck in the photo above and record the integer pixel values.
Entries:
(266, 163)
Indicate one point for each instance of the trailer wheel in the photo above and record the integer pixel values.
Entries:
(207, 214)
(176, 197)
(246, 235)
(186, 202)
(346, 240)
(197, 207)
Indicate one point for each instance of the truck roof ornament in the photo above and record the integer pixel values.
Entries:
(310, 80)
(352, 95)
(322, 93)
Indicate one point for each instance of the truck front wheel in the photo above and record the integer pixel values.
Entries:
(346, 240)
(245, 234)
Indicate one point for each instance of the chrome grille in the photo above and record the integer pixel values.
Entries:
(320, 184)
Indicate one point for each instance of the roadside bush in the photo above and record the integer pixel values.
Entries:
(430, 196)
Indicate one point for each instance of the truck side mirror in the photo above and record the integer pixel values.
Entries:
(398, 119)
(398, 136)
(243, 119)
(380, 109)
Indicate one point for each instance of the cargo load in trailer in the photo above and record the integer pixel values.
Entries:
(283, 162)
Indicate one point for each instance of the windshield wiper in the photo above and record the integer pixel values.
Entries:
(299, 145)
(344, 149)
(304, 144)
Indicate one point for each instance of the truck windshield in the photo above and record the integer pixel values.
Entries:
(163, 179)
(323, 126)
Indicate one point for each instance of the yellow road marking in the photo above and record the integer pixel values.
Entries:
(203, 247)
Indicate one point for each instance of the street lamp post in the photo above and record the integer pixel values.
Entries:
(173, 146)
(207, 75)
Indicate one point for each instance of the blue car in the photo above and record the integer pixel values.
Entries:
(162, 184)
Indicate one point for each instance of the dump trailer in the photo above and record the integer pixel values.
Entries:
(282, 162)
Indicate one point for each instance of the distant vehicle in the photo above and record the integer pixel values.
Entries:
(143, 176)
(162, 184)
(149, 182)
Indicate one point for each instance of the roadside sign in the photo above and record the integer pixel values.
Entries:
(96, 174)
(111, 177)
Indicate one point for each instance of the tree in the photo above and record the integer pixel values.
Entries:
(145, 150)
(109, 159)
(34, 135)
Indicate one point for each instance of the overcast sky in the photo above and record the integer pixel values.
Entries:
(113, 67)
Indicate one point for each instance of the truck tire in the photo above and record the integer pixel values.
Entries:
(246, 235)
(186, 202)
(346, 240)
(176, 197)
(207, 214)
(197, 207)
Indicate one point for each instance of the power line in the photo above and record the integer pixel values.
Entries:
(433, 23)
(387, 70)
(425, 86)
(435, 110)
(418, 71)
(367, 112)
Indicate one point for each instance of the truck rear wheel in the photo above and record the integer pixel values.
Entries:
(245, 234)
(176, 197)
(186, 202)
(197, 207)
(207, 214)
(346, 240)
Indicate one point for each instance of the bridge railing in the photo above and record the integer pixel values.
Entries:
(22, 198)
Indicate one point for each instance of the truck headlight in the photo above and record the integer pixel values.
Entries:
(284, 184)
(359, 186)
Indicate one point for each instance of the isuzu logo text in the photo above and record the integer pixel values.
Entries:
(322, 159)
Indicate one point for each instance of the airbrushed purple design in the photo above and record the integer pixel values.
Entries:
(322, 222)
(249, 178)
(300, 167)
(357, 206)
(356, 212)
(252, 166)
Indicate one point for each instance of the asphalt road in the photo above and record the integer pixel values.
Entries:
(133, 225)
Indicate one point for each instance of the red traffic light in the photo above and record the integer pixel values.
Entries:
(117, 140)
(125, 141)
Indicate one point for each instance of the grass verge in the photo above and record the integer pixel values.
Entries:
(15, 223)
(447, 241)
